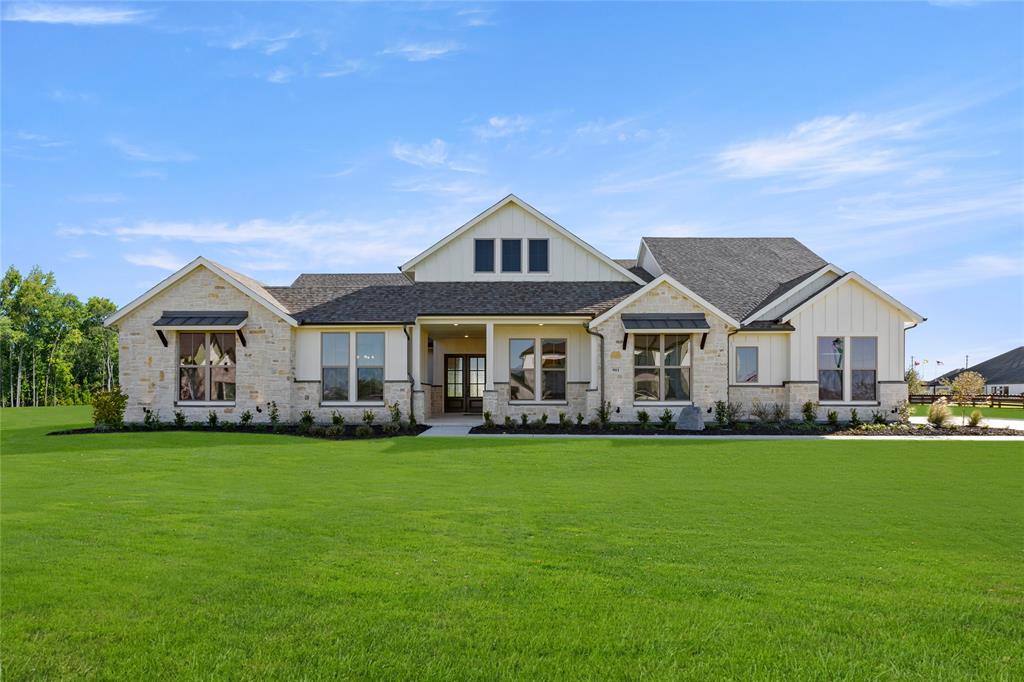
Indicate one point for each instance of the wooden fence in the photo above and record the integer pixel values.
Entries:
(980, 401)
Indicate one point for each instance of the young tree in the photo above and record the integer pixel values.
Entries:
(965, 387)
(914, 383)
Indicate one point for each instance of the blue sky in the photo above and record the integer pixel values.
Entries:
(282, 138)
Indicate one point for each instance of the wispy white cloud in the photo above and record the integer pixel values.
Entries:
(979, 269)
(267, 44)
(619, 185)
(70, 96)
(344, 68)
(431, 155)
(422, 52)
(475, 17)
(152, 154)
(111, 198)
(38, 140)
(280, 75)
(619, 130)
(158, 258)
(825, 149)
(503, 126)
(78, 15)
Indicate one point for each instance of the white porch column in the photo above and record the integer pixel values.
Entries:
(417, 358)
(489, 349)
(595, 360)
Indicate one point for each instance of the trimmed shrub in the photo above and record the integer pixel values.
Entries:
(306, 420)
(337, 418)
(810, 411)
(364, 431)
(509, 424)
(644, 418)
(544, 419)
(855, 418)
(368, 417)
(903, 412)
(488, 421)
(108, 409)
(335, 431)
(245, 419)
(150, 418)
(666, 419)
(525, 419)
(391, 427)
(563, 421)
(579, 419)
(179, 419)
(727, 414)
(877, 417)
(778, 413)
(395, 412)
(833, 418)
(975, 418)
(412, 421)
(211, 419)
(273, 413)
(762, 412)
(604, 414)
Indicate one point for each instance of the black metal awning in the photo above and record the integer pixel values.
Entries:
(664, 322)
(201, 318)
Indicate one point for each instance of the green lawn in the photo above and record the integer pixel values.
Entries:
(188, 555)
(990, 412)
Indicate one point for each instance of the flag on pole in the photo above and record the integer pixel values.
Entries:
(938, 362)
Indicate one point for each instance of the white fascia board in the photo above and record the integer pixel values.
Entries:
(830, 267)
(910, 313)
(217, 270)
(671, 281)
(513, 199)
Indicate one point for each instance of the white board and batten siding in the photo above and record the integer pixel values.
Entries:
(848, 309)
(567, 260)
(772, 357)
(307, 351)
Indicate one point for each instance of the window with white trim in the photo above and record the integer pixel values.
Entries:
(206, 367)
(847, 376)
(661, 367)
(526, 374)
(746, 364)
(345, 365)
(511, 255)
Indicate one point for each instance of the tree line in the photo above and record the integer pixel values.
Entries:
(54, 349)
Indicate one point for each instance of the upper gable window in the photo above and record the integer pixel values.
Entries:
(511, 255)
(538, 255)
(483, 255)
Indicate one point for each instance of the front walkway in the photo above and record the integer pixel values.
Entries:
(451, 424)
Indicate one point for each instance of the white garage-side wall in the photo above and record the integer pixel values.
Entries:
(847, 309)
(577, 348)
(772, 357)
(567, 260)
(307, 351)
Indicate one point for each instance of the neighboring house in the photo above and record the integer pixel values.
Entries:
(513, 314)
(1004, 374)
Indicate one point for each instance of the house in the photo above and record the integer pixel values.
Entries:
(513, 314)
(1004, 374)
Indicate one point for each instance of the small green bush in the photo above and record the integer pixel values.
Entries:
(273, 413)
(525, 419)
(939, 414)
(335, 431)
(727, 414)
(855, 418)
(810, 411)
(762, 412)
(509, 424)
(544, 419)
(644, 419)
(833, 418)
(150, 418)
(579, 419)
(108, 409)
(364, 431)
(179, 419)
(391, 427)
(666, 419)
(488, 420)
(368, 417)
(877, 417)
(563, 421)
(395, 412)
(245, 419)
(337, 418)
(903, 412)
(604, 414)
(211, 419)
(412, 421)
(306, 420)
(975, 418)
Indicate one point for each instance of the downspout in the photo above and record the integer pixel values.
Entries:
(728, 365)
(600, 369)
(408, 369)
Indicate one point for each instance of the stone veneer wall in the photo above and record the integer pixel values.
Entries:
(306, 396)
(708, 365)
(497, 403)
(148, 371)
(746, 396)
(795, 394)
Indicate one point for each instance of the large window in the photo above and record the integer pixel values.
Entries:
(511, 255)
(853, 378)
(526, 374)
(206, 366)
(370, 366)
(863, 367)
(340, 360)
(538, 255)
(483, 255)
(661, 367)
(746, 365)
(334, 358)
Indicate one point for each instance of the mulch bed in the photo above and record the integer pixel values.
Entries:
(750, 429)
(317, 431)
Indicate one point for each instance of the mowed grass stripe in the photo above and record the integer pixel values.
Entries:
(192, 555)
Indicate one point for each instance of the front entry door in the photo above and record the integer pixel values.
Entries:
(464, 380)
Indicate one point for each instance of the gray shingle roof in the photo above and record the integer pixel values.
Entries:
(399, 300)
(630, 264)
(736, 274)
(358, 279)
(1007, 368)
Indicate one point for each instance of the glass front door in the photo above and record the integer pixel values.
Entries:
(464, 379)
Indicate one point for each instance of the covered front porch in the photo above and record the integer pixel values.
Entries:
(464, 366)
